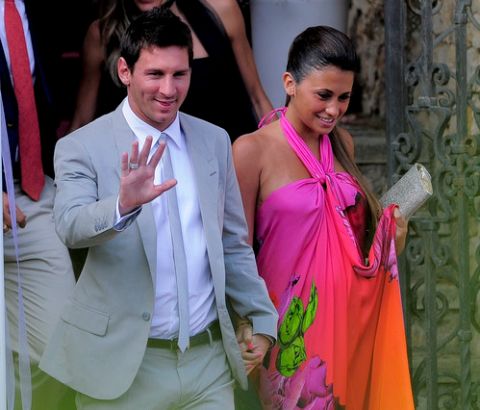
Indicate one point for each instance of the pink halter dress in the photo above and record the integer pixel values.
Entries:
(341, 338)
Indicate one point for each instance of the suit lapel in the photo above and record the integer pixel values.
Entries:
(206, 179)
(148, 233)
(123, 137)
(203, 166)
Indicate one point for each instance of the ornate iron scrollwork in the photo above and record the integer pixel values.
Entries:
(442, 258)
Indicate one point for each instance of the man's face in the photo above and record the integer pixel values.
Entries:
(158, 84)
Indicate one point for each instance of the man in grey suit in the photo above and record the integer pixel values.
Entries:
(147, 326)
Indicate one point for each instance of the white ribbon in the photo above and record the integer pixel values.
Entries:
(23, 355)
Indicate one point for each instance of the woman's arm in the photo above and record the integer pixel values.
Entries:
(232, 19)
(401, 232)
(246, 158)
(93, 57)
(247, 161)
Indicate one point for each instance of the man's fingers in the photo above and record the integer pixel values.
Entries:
(251, 357)
(157, 155)
(165, 186)
(252, 364)
(7, 221)
(248, 336)
(134, 153)
(6, 213)
(124, 165)
(144, 153)
(21, 218)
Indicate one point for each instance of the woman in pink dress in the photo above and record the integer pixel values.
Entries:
(326, 249)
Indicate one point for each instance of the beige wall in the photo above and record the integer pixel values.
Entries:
(366, 28)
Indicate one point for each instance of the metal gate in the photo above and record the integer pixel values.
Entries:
(433, 117)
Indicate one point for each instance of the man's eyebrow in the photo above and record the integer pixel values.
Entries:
(154, 70)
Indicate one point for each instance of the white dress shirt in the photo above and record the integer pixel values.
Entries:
(165, 322)
(3, 35)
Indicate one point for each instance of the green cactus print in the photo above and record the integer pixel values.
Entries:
(311, 310)
(295, 323)
(292, 322)
(290, 358)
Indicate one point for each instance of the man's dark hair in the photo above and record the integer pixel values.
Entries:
(158, 27)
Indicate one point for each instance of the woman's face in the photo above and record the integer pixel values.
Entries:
(319, 100)
(145, 5)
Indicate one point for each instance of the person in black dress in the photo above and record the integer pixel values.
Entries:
(225, 88)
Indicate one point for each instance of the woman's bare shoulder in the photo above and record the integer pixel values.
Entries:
(248, 147)
(252, 151)
(258, 141)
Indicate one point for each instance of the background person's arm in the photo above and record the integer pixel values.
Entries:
(93, 57)
(232, 19)
(246, 157)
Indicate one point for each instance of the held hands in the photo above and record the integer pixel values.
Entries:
(7, 221)
(137, 185)
(253, 347)
(402, 230)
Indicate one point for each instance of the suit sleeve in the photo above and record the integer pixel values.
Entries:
(244, 287)
(82, 219)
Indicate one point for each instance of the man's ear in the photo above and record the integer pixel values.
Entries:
(123, 71)
(289, 84)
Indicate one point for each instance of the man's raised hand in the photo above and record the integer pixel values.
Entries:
(137, 186)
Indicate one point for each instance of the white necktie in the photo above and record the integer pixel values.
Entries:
(179, 257)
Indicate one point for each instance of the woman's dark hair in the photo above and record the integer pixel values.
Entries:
(115, 16)
(317, 48)
(158, 27)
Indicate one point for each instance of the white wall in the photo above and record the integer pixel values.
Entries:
(275, 23)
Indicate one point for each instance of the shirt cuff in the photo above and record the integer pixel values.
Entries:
(270, 338)
(123, 222)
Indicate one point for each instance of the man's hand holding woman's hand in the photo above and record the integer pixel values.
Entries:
(253, 347)
(137, 185)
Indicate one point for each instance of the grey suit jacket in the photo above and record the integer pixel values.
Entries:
(98, 345)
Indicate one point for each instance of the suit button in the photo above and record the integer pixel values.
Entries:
(146, 316)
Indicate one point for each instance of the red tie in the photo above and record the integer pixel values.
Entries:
(32, 176)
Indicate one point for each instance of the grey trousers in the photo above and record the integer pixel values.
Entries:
(198, 379)
(47, 281)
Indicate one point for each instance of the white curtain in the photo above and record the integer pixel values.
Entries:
(3, 351)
